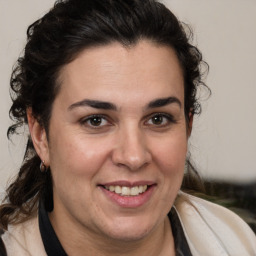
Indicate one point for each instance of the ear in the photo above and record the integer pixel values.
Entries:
(39, 138)
(190, 123)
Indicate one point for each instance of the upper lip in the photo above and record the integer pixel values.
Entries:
(128, 183)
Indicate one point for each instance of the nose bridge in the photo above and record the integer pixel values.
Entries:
(131, 150)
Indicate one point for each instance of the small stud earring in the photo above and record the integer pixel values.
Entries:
(43, 167)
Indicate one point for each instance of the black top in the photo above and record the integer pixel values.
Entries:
(2, 248)
(51, 242)
(53, 246)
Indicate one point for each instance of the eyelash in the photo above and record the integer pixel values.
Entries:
(90, 118)
(169, 119)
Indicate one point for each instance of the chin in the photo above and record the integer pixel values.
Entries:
(129, 236)
(133, 232)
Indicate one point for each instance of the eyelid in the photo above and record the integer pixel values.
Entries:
(168, 116)
(84, 120)
(170, 120)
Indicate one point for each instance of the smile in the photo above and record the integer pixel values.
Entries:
(127, 191)
(129, 194)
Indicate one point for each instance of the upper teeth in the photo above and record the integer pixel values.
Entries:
(127, 191)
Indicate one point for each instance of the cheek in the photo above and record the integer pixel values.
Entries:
(76, 156)
(75, 164)
(171, 156)
(171, 153)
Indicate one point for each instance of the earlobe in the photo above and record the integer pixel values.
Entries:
(38, 136)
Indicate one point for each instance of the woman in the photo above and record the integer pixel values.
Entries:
(108, 91)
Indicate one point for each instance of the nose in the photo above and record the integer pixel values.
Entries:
(131, 150)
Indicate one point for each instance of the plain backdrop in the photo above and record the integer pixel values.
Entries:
(223, 143)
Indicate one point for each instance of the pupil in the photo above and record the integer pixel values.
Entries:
(96, 121)
(157, 119)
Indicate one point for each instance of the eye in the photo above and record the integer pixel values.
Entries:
(160, 119)
(95, 121)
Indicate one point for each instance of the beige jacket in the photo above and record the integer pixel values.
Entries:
(210, 229)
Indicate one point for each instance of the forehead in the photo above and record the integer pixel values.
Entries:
(113, 71)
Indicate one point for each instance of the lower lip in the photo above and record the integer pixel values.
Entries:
(129, 201)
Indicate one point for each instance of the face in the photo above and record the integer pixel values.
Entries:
(117, 140)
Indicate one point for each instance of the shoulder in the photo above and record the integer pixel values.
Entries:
(212, 228)
(24, 239)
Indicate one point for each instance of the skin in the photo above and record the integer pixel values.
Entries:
(126, 144)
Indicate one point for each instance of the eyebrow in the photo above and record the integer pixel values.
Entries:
(93, 104)
(163, 102)
(157, 103)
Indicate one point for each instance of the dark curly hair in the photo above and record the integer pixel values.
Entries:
(55, 40)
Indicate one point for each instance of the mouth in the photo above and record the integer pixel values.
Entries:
(128, 191)
(129, 194)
